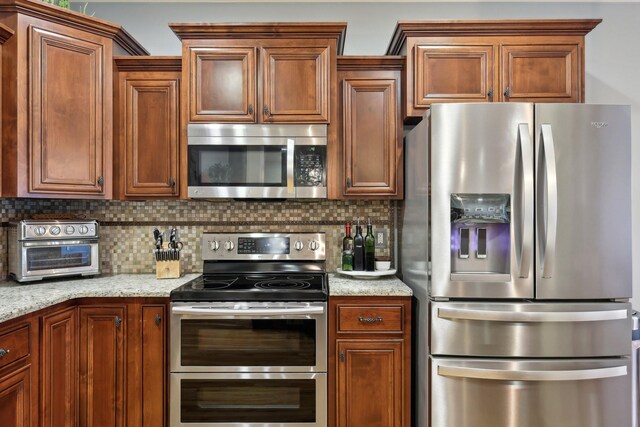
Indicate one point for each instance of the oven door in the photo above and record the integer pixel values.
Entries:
(249, 337)
(249, 400)
(41, 259)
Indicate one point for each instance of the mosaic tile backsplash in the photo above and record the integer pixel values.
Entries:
(126, 241)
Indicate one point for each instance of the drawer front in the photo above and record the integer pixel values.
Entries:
(530, 329)
(14, 345)
(370, 318)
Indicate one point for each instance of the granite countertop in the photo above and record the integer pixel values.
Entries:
(340, 285)
(19, 299)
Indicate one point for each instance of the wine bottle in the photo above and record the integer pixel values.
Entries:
(369, 249)
(347, 249)
(358, 249)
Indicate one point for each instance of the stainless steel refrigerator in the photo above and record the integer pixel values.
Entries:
(516, 240)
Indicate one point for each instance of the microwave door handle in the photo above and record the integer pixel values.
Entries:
(262, 311)
(290, 166)
(526, 156)
(551, 203)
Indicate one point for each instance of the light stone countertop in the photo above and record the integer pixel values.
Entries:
(19, 299)
(340, 285)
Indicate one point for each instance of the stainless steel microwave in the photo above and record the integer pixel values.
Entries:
(257, 161)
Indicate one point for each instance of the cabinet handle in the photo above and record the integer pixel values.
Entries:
(265, 110)
(100, 180)
(377, 319)
(507, 92)
(250, 108)
(158, 319)
(4, 352)
(490, 93)
(172, 182)
(349, 182)
(118, 321)
(342, 356)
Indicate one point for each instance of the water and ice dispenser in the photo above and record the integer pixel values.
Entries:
(480, 235)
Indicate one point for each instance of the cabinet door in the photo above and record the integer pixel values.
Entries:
(59, 368)
(453, 74)
(152, 136)
(370, 392)
(541, 73)
(222, 84)
(15, 405)
(67, 146)
(372, 145)
(295, 84)
(154, 366)
(102, 366)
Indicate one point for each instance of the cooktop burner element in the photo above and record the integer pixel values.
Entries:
(285, 284)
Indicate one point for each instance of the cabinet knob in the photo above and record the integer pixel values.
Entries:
(342, 356)
(172, 182)
(100, 180)
(490, 94)
(250, 108)
(265, 110)
(158, 319)
(349, 182)
(507, 92)
(4, 352)
(118, 321)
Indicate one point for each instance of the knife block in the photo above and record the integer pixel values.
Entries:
(168, 269)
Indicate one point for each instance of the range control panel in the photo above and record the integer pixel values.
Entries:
(263, 246)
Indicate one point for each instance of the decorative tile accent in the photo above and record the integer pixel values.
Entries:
(126, 241)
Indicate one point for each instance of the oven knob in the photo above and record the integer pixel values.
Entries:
(298, 245)
(69, 229)
(54, 230)
(228, 245)
(214, 245)
(313, 245)
(83, 229)
(40, 230)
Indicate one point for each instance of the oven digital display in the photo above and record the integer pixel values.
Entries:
(263, 245)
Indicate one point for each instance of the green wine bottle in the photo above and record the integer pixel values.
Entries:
(369, 248)
(347, 249)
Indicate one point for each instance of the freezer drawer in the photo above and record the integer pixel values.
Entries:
(530, 329)
(528, 393)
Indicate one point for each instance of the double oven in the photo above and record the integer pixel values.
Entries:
(249, 337)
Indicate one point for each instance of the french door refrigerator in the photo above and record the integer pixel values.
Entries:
(516, 240)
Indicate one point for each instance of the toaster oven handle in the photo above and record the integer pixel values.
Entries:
(258, 311)
(290, 166)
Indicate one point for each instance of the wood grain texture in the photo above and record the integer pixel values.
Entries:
(15, 401)
(59, 369)
(17, 343)
(148, 63)
(387, 318)
(154, 365)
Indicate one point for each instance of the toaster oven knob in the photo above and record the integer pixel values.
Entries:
(298, 245)
(83, 229)
(313, 245)
(228, 245)
(69, 229)
(54, 230)
(40, 230)
(214, 245)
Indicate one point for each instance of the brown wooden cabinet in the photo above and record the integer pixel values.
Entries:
(480, 61)
(263, 72)
(5, 34)
(369, 164)
(369, 361)
(15, 401)
(102, 365)
(59, 368)
(58, 74)
(147, 127)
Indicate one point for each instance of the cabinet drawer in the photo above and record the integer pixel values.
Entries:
(370, 318)
(14, 345)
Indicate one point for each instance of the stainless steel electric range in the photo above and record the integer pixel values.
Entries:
(249, 337)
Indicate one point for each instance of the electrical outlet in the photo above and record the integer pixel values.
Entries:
(381, 239)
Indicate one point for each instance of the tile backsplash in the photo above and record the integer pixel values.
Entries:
(126, 241)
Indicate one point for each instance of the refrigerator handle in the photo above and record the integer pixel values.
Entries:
(526, 153)
(531, 316)
(524, 375)
(551, 204)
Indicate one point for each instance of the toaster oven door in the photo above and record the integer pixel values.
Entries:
(38, 260)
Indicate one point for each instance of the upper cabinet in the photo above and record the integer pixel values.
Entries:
(58, 127)
(264, 73)
(484, 61)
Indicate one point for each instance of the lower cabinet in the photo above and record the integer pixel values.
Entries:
(15, 400)
(370, 361)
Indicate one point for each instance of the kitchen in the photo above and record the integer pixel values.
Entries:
(126, 225)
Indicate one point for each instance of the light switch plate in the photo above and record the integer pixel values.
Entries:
(381, 238)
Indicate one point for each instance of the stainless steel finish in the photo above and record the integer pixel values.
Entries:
(256, 192)
(474, 149)
(593, 162)
(255, 130)
(321, 397)
(635, 369)
(524, 239)
(547, 202)
(290, 167)
(493, 329)
(305, 253)
(530, 393)
(480, 277)
(261, 310)
(41, 229)
(4, 352)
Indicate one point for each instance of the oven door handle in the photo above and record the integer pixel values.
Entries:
(262, 311)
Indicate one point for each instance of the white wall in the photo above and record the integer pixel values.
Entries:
(612, 49)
